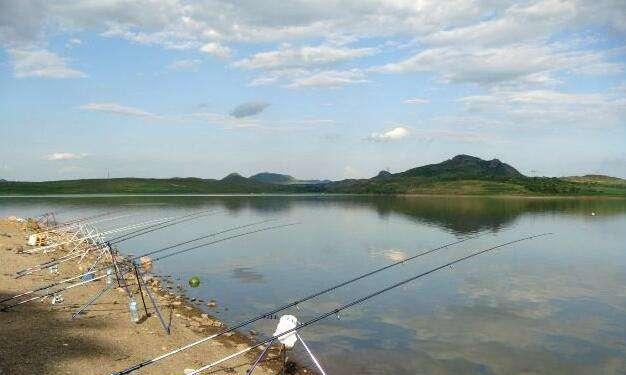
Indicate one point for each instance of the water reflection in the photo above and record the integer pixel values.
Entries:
(551, 306)
(459, 215)
(247, 275)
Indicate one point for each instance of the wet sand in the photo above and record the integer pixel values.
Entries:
(39, 337)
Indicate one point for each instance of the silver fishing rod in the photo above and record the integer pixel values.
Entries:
(109, 231)
(84, 219)
(214, 234)
(289, 305)
(358, 301)
(137, 257)
(136, 233)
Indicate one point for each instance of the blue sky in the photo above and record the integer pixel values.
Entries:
(335, 89)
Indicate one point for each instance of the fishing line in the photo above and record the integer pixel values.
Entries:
(359, 301)
(158, 226)
(129, 268)
(288, 305)
(136, 233)
(135, 258)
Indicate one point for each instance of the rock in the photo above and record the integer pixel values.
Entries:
(211, 304)
(146, 263)
(177, 303)
(188, 371)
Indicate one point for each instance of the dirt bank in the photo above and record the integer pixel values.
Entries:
(39, 337)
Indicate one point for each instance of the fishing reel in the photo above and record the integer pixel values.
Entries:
(57, 299)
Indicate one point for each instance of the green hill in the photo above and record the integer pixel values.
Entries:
(465, 167)
(461, 175)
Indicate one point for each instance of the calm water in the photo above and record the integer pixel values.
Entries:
(555, 305)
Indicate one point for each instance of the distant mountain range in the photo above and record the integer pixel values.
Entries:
(463, 174)
(284, 179)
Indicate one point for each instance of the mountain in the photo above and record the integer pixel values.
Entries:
(465, 166)
(462, 174)
(273, 178)
(469, 175)
(235, 178)
(283, 179)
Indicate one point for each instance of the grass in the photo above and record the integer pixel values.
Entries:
(535, 186)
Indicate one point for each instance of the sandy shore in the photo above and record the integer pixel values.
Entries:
(40, 338)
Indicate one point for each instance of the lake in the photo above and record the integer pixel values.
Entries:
(553, 305)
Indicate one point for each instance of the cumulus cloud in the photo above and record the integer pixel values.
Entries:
(63, 156)
(521, 63)
(248, 109)
(395, 134)
(216, 49)
(117, 109)
(329, 79)
(305, 56)
(36, 62)
(451, 35)
(548, 107)
(185, 65)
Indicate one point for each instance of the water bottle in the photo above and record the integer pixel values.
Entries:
(109, 277)
(132, 307)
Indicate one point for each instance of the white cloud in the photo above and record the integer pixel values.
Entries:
(117, 109)
(548, 108)
(63, 156)
(35, 62)
(216, 49)
(185, 65)
(329, 79)
(305, 56)
(395, 134)
(448, 33)
(416, 101)
(517, 63)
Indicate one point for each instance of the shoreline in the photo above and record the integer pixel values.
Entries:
(104, 339)
(317, 195)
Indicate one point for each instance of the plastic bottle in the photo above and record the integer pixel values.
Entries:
(132, 307)
(109, 277)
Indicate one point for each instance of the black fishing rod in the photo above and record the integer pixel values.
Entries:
(137, 257)
(134, 258)
(337, 310)
(291, 304)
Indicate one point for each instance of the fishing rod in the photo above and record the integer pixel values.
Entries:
(357, 301)
(142, 225)
(87, 218)
(291, 304)
(153, 223)
(110, 231)
(134, 259)
(119, 239)
(158, 226)
(154, 260)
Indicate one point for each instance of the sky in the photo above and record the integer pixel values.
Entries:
(315, 89)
